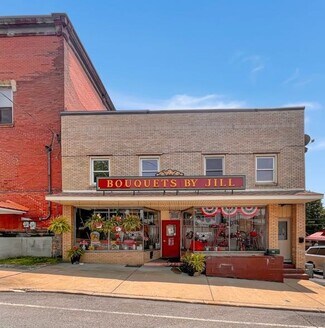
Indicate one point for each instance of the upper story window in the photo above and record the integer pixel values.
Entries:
(214, 166)
(99, 168)
(6, 101)
(265, 169)
(149, 167)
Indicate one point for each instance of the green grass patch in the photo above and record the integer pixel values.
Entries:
(29, 260)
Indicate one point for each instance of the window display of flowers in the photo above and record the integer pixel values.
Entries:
(95, 222)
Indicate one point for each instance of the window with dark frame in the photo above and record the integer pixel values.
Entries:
(100, 168)
(6, 101)
(214, 166)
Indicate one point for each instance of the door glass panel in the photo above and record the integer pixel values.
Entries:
(170, 230)
(283, 230)
(170, 241)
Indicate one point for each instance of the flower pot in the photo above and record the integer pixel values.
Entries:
(75, 259)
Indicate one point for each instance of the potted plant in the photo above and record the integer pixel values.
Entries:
(109, 226)
(58, 226)
(131, 223)
(95, 223)
(193, 263)
(75, 253)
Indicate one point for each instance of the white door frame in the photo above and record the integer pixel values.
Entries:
(284, 238)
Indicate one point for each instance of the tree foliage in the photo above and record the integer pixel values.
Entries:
(315, 216)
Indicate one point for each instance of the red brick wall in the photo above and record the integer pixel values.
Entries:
(79, 92)
(36, 64)
(49, 79)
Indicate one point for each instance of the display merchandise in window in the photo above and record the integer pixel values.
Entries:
(117, 229)
(233, 229)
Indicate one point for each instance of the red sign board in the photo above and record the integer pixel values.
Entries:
(230, 182)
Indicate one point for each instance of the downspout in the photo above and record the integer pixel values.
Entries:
(48, 149)
(49, 178)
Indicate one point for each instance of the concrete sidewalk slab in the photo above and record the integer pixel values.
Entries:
(162, 284)
(268, 294)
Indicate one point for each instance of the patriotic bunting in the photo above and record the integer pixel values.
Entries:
(229, 211)
(248, 211)
(210, 211)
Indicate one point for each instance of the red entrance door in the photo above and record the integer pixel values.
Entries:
(170, 238)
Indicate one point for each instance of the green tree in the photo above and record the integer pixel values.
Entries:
(315, 216)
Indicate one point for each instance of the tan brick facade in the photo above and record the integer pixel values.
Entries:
(181, 140)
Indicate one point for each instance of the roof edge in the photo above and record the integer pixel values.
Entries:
(181, 111)
(57, 24)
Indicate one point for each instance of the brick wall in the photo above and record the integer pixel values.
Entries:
(36, 64)
(273, 226)
(79, 93)
(181, 140)
(49, 78)
(298, 230)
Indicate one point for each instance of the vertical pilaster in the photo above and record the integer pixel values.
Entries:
(273, 226)
(298, 230)
(67, 238)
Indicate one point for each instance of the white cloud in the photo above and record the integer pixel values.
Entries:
(297, 80)
(310, 105)
(257, 68)
(293, 77)
(180, 101)
(257, 64)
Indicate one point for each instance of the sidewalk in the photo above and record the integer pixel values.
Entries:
(160, 283)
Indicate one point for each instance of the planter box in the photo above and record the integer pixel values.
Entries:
(268, 268)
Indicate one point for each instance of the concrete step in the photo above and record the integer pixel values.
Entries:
(300, 276)
(163, 263)
(288, 266)
(292, 271)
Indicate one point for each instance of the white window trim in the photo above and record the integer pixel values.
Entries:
(91, 175)
(275, 173)
(12, 89)
(148, 158)
(214, 156)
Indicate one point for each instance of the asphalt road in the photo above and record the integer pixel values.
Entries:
(66, 310)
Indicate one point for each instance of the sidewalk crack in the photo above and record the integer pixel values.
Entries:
(127, 278)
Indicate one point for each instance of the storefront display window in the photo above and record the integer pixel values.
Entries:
(233, 229)
(117, 229)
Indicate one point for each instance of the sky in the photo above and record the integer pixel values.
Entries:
(176, 54)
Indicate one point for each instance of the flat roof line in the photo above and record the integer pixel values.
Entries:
(182, 111)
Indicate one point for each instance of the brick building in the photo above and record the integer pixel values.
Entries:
(218, 181)
(45, 70)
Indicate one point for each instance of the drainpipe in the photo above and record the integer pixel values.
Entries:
(49, 178)
(48, 149)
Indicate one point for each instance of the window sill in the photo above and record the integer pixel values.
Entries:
(266, 184)
(7, 125)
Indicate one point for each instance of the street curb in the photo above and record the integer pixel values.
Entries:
(162, 299)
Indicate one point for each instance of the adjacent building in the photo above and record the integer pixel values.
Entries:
(45, 70)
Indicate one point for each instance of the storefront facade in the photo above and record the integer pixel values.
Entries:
(214, 181)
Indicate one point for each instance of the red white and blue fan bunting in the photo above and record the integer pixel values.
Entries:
(210, 211)
(229, 211)
(249, 211)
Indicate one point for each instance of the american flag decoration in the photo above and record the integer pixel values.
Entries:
(210, 211)
(229, 211)
(248, 211)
